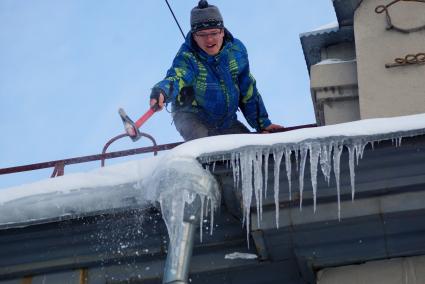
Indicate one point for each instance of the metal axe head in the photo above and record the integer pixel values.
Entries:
(129, 126)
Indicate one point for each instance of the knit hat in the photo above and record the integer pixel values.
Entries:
(205, 16)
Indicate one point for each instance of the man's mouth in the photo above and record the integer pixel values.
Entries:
(211, 45)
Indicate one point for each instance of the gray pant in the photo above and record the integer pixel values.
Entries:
(191, 127)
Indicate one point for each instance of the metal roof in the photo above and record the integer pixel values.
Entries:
(344, 10)
(313, 42)
(385, 220)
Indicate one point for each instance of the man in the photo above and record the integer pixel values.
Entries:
(209, 80)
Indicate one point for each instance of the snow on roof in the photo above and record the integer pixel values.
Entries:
(328, 28)
(367, 127)
(334, 61)
(127, 184)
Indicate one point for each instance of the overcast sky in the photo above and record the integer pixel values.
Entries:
(66, 66)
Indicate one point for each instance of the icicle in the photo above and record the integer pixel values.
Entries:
(201, 220)
(213, 167)
(326, 160)
(235, 160)
(246, 160)
(314, 160)
(212, 216)
(359, 146)
(296, 158)
(399, 141)
(288, 166)
(258, 183)
(303, 152)
(351, 153)
(266, 170)
(277, 156)
(337, 171)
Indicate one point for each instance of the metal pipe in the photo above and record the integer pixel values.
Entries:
(178, 259)
(182, 204)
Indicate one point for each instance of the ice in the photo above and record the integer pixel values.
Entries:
(288, 166)
(337, 171)
(277, 155)
(78, 194)
(182, 200)
(351, 153)
(189, 197)
(240, 255)
(327, 152)
(315, 151)
(325, 160)
(138, 184)
(266, 171)
(245, 161)
(303, 151)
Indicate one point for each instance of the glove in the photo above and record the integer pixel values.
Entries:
(157, 99)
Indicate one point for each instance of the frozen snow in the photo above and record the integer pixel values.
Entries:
(367, 127)
(108, 188)
(327, 28)
(334, 61)
(134, 184)
(240, 255)
(128, 172)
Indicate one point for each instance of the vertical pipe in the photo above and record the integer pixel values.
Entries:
(27, 280)
(178, 258)
(83, 276)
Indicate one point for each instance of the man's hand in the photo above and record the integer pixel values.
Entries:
(158, 102)
(272, 128)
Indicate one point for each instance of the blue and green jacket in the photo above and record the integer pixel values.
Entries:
(214, 87)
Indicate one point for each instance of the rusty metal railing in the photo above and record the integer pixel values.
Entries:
(59, 165)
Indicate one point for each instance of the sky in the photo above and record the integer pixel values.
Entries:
(66, 66)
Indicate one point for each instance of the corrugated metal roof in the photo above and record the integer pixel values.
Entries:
(385, 220)
(312, 42)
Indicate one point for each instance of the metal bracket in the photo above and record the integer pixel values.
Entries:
(385, 8)
(409, 59)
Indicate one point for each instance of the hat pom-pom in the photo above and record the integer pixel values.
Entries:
(202, 4)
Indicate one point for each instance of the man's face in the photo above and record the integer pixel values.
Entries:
(210, 40)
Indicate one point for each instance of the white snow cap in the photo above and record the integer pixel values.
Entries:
(124, 185)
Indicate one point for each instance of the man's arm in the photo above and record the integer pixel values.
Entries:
(251, 103)
(178, 76)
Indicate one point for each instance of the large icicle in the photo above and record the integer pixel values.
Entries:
(351, 154)
(337, 171)
(258, 184)
(277, 156)
(314, 160)
(246, 160)
(266, 170)
(288, 166)
(326, 160)
(303, 152)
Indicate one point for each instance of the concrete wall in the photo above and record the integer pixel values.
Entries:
(334, 91)
(393, 271)
(387, 92)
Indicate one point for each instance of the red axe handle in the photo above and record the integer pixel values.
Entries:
(144, 117)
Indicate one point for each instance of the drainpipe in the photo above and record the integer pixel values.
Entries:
(182, 181)
(182, 255)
